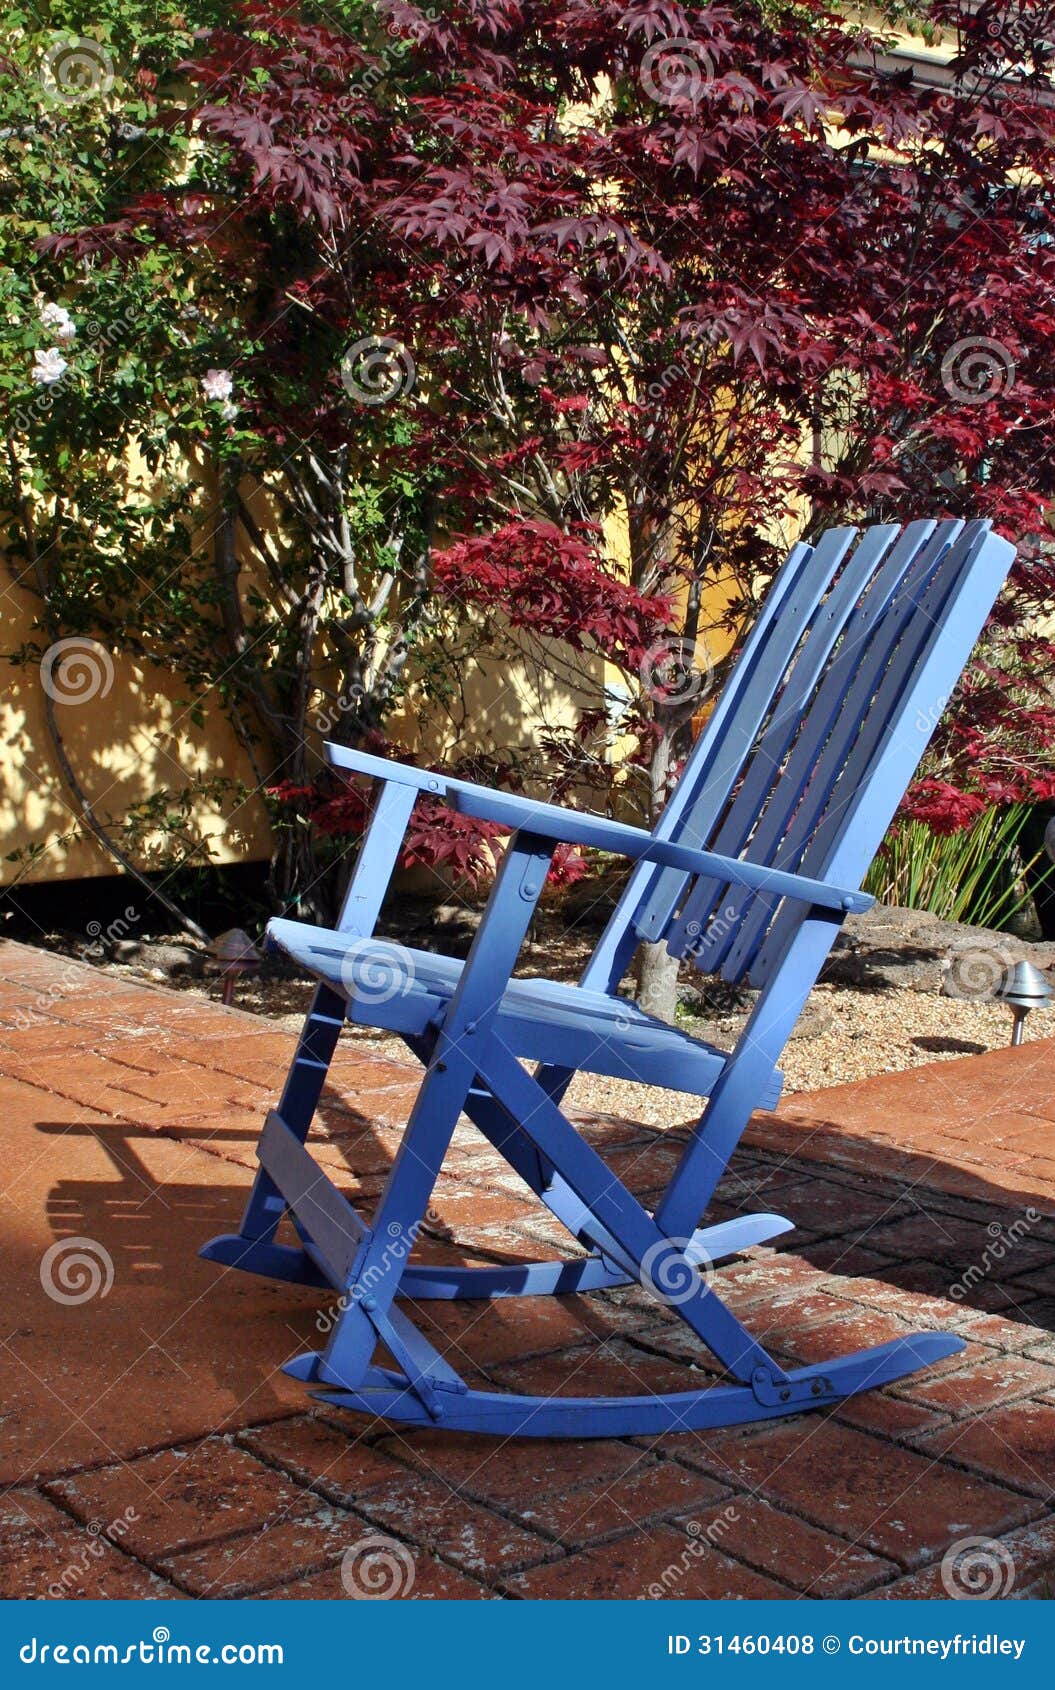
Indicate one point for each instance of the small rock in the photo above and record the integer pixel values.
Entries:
(163, 961)
(893, 947)
(452, 915)
(813, 1021)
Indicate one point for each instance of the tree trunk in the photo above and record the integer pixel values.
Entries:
(656, 969)
(657, 981)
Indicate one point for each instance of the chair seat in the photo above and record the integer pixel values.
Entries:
(408, 991)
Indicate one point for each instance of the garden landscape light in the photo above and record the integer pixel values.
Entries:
(1024, 988)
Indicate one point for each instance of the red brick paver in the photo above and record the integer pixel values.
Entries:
(984, 1124)
(152, 1446)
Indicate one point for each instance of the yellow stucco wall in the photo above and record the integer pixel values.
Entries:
(129, 734)
(127, 738)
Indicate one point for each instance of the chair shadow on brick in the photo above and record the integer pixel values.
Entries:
(748, 873)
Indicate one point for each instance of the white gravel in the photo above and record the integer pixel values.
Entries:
(863, 1033)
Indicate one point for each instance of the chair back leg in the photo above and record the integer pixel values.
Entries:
(735, 1096)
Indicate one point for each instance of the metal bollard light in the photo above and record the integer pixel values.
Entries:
(233, 954)
(1023, 988)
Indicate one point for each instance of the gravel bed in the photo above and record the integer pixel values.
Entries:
(863, 1033)
(868, 1033)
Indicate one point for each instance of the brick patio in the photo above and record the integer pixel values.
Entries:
(151, 1445)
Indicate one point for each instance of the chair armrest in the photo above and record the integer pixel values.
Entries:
(401, 774)
(382, 768)
(578, 827)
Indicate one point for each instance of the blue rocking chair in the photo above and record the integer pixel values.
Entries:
(749, 873)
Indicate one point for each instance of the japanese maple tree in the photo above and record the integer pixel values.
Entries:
(547, 316)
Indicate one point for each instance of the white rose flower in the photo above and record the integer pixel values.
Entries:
(58, 319)
(217, 384)
(228, 410)
(48, 366)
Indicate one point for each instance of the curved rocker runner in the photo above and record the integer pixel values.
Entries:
(749, 873)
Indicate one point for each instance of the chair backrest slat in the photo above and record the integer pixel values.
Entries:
(814, 739)
(793, 797)
(944, 618)
(850, 719)
(718, 757)
(785, 722)
(652, 893)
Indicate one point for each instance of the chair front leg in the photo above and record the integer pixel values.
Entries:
(252, 1247)
(300, 1097)
(374, 1277)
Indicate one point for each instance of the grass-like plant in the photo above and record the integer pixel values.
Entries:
(981, 874)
